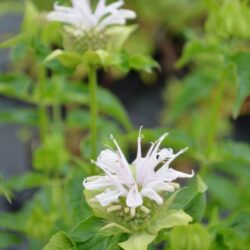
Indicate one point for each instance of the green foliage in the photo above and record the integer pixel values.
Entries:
(52, 155)
(60, 241)
(241, 60)
(192, 199)
(50, 76)
(4, 190)
(8, 239)
(193, 237)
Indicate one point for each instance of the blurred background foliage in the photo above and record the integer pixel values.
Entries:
(203, 49)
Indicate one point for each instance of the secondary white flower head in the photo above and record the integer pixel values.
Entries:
(82, 17)
(147, 177)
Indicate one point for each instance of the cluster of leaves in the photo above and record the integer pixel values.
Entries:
(202, 105)
(51, 83)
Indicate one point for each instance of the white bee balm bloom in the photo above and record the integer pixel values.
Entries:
(83, 18)
(147, 177)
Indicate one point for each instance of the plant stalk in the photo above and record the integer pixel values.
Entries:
(41, 106)
(93, 109)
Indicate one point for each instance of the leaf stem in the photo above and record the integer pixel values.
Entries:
(93, 109)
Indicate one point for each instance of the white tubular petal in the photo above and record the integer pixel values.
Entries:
(110, 160)
(139, 144)
(164, 154)
(151, 194)
(134, 198)
(158, 143)
(127, 14)
(108, 197)
(176, 155)
(115, 6)
(100, 10)
(97, 182)
(64, 9)
(123, 162)
(171, 174)
(160, 186)
(64, 18)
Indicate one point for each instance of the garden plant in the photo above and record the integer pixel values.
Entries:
(100, 182)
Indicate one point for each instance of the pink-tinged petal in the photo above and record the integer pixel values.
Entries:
(108, 197)
(134, 198)
(152, 195)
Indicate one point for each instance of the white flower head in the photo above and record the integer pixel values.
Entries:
(147, 178)
(83, 18)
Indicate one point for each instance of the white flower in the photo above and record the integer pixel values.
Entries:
(81, 16)
(147, 177)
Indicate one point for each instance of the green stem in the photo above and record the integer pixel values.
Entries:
(41, 105)
(212, 122)
(93, 109)
(57, 118)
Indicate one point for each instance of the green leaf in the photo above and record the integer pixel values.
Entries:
(234, 151)
(190, 91)
(100, 242)
(8, 240)
(119, 35)
(171, 218)
(19, 116)
(4, 189)
(241, 60)
(27, 181)
(68, 59)
(142, 63)
(13, 85)
(193, 237)
(86, 229)
(12, 41)
(192, 199)
(200, 50)
(138, 241)
(114, 228)
(77, 207)
(60, 241)
(223, 191)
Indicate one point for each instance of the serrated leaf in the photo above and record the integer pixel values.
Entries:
(86, 229)
(60, 241)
